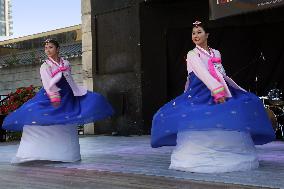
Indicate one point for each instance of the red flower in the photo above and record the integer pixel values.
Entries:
(17, 98)
(18, 91)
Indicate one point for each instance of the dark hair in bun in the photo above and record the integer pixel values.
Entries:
(53, 41)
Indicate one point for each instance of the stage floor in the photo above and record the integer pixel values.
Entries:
(105, 156)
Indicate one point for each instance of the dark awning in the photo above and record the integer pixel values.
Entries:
(224, 8)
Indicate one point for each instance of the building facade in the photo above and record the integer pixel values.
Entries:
(21, 58)
(6, 18)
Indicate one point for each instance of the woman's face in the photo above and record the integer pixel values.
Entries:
(199, 37)
(51, 50)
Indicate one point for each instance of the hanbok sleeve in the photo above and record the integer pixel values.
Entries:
(199, 69)
(46, 78)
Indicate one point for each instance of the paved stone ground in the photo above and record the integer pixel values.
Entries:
(130, 162)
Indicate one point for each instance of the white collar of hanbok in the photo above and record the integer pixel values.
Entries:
(59, 64)
(203, 51)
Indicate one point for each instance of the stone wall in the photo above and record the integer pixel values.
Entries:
(17, 76)
(87, 52)
(113, 28)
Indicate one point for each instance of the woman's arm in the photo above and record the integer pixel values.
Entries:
(46, 78)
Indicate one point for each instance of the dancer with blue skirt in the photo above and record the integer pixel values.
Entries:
(215, 123)
(49, 120)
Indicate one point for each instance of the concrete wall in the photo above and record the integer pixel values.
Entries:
(17, 76)
(111, 60)
(88, 51)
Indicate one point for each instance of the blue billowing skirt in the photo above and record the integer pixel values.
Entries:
(73, 110)
(196, 110)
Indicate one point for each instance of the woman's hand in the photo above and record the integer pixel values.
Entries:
(221, 100)
(55, 104)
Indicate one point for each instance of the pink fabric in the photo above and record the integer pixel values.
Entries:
(60, 69)
(55, 99)
(54, 96)
(219, 95)
(211, 67)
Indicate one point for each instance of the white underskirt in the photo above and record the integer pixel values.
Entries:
(214, 151)
(53, 143)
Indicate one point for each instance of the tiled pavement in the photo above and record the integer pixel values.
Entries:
(115, 157)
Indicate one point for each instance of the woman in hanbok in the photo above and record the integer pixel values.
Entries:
(49, 120)
(215, 123)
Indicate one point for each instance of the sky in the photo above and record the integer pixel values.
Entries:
(36, 16)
